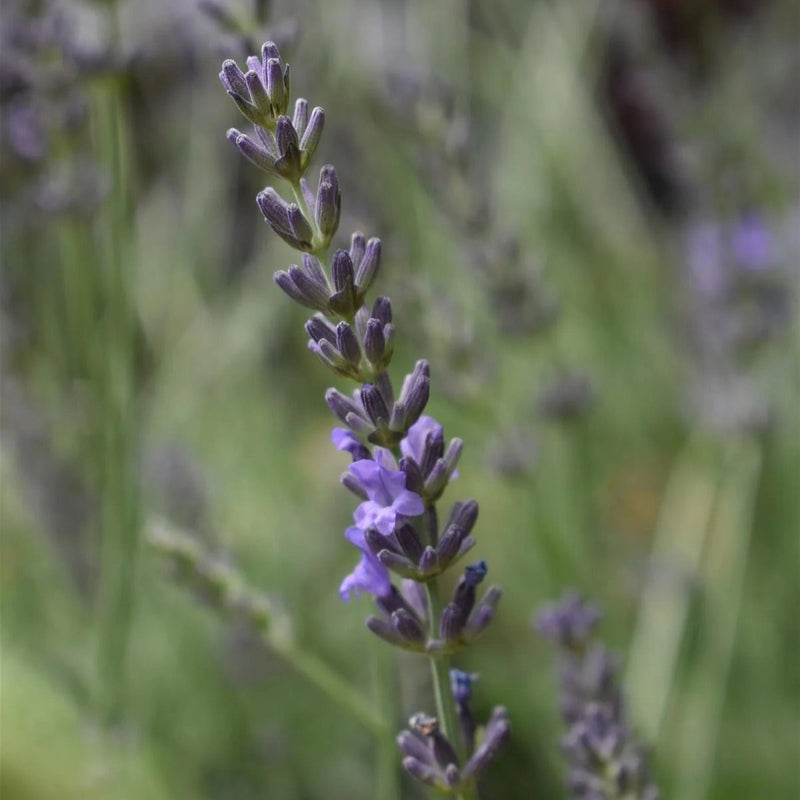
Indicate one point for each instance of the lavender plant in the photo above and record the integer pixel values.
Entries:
(401, 463)
(605, 762)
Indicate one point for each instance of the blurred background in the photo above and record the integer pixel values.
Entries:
(591, 227)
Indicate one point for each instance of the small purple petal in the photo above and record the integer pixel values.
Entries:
(369, 574)
(345, 440)
(413, 446)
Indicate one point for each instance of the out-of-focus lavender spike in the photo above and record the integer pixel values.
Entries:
(604, 759)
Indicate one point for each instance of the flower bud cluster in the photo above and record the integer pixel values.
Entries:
(401, 463)
(431, 758)
(605, 762)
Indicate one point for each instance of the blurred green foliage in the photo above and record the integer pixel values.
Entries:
(152, 370)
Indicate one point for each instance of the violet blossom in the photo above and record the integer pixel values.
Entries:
(369, 574)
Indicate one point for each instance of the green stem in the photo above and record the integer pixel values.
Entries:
(114, 379)
(445, 704)
(301, 201)
(386, 777)
(324, 678)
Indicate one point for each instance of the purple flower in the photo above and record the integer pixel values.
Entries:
(346, 441)
(413, 446)
(570, 621)
(752, 244)
(387, 493)
(369, 575)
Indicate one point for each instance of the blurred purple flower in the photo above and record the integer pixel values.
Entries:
(369, 575)
(705, 260)
(570, 621)
(751, 244)
(25, 129)
(387, 493)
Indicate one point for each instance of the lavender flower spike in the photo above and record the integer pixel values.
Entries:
(605, 762)
(396, 524)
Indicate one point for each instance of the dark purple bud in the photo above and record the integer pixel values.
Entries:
(312, 134)
(392, 601)
(341, 405)
(385, 631)
(498, 730)
(315, 293)
(461, 687)
(437, 479)
(288, 164)
(415, 392)
(258, 93)
(422, 772)
(451, 623)
(285, 136)
(330, 357)
(233, 79)
(428, 727)
(464, 595)
(269, 50)
(253, 152)
(300, 117)
(347, 344)
(432, 450)
(414, 481)
(464, 515)
(287, 284)
(287, 221)
(352, 483)
(377, 542)
(358, 246)
(374, 404)
(328, 203)
(273, 207)
(407, 626)
(408, 539)
(475, 573)
(413, 746)
(429, 561)
(382, 307)
(319, 328)
(276, 87)
(453, 454)
(342, 271)
(314, 268)
(367, 267)
(300, 228)
(374, 342)
(483, 614)
(449, 544)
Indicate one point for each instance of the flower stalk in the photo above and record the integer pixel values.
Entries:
(401, 463)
